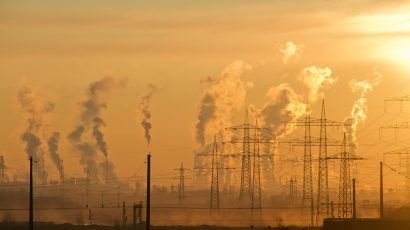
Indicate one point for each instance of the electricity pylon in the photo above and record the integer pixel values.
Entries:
(322, 207)
(400, 100)
(396, 127)
(345, 209)
(323, 142)
(181, 187)
(214, 203)
(406, 153)
(215, 166)
(256, 194)
(247, 190)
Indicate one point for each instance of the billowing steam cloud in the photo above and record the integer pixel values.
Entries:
(290, 50)
(316, 78)
(358, 113)
(146, 113)
(224, 94)
(53, 150)
(88, 137)
(36, 108)
(283, 105)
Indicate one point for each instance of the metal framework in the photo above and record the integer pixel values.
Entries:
(181, 186)
(345, 204)
(250, 192)
(406, 153)
(396, 127)
(400, 100)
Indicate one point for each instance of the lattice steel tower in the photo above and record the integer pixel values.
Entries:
(256, 202)
(245, 189)
(322, 207)
(214, 177)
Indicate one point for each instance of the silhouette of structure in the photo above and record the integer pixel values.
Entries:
(345, 204)
(401, 100)
(2, 169)
(395, 127)
(405, 152)
(250, 189)
(181, 186)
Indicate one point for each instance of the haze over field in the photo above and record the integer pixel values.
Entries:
(95, 85)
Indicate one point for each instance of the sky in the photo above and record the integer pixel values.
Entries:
(60, 47)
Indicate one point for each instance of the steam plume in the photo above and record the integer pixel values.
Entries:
(316, 78)
(36, 109)
(224, 94)
(290, 50)
(358, 113)
(53, 150)
(145, 111)
(88, 136)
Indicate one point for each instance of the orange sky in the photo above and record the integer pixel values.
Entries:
(60, 48)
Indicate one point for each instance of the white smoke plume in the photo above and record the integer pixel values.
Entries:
(283, 105)
(222, 96)
(53, 150)
(88, 137)
(36, 108)
(316, 79)
(290, 50)
(144, 109)
(358, 113)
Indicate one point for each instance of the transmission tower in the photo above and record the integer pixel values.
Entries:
(62, 178)
(345, 195)
(400, 100)
(406, 153)
(395, 127)
(181, 186)
(293, 189)
(214, 177)
(322, 207)
(2, 169)
(256, 194)
(323, 142)
(250, 191)
(215, 168)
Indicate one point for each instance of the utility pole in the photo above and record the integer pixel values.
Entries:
(381, 191)
(148, 208)
(31, 216)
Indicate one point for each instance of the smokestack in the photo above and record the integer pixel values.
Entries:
(31, 216)
(148, 208)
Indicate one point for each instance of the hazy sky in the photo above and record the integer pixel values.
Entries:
(60, 47)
